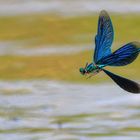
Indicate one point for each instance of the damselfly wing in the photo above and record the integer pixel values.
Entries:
(103, 56)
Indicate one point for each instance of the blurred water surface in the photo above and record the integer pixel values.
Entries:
(48, 110)
(18, 49)
(67, 7)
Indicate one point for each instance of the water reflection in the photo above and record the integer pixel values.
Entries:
(59, 111)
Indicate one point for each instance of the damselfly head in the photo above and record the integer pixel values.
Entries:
(82, 71)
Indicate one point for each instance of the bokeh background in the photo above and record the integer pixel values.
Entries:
(42, 94)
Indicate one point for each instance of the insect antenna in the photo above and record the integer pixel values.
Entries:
(86, 65)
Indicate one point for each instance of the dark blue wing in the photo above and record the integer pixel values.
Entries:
(123, 56)
(104, 37)
(124, 83)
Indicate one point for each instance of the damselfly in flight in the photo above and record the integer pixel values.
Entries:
(104, 57)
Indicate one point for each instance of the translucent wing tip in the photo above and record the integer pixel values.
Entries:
(136, 44)
(104, 13)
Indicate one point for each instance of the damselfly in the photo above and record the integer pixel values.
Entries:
(104, 57)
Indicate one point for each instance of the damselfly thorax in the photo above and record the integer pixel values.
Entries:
(91, 69)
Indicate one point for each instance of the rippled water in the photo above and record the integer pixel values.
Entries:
(14, 48)
(67, 7)
(48, 110)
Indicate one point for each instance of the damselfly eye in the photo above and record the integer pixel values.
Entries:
(82, 71)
